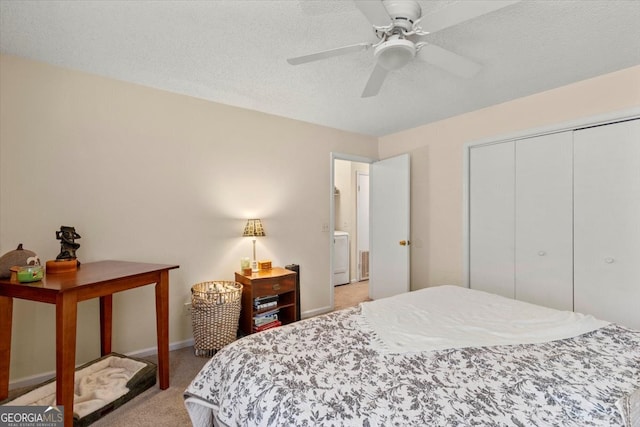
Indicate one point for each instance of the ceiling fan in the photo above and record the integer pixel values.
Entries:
(398, 25)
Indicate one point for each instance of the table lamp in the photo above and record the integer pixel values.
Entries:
(253, 229)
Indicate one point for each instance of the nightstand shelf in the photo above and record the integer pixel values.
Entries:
(265, 283)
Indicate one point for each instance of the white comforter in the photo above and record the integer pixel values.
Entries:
(338, 369)
(446, 317)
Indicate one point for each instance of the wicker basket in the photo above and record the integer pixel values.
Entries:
(215, 310)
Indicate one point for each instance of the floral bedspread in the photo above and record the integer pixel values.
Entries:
(324, 371)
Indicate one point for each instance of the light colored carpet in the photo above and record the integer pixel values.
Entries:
(349, 295)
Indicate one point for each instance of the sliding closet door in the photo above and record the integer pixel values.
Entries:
(491, 218)
(607, 222)
(544, 220)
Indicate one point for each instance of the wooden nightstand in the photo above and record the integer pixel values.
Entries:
(266, 283)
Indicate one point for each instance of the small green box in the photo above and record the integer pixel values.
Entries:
(30, 273)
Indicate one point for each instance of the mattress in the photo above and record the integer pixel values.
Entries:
(438, 356)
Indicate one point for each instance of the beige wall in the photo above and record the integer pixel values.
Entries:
(147, 175)
(436, 161)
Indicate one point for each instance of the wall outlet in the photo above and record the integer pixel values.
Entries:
(186, 309)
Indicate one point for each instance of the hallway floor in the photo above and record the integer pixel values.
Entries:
(349, 295)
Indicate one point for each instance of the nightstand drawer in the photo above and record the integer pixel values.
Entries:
(273, 286)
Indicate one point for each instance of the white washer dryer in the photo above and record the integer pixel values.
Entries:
(340, 258)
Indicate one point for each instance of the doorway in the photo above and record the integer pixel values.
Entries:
(350, 224)
(389, 222)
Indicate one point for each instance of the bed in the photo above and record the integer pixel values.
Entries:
(440, 356)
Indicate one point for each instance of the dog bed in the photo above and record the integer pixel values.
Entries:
(101, 386)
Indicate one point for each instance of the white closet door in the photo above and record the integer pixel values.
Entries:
(544, 221)
(607, 222)
(491, 218)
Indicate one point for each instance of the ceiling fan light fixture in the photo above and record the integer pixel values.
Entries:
(395, 53)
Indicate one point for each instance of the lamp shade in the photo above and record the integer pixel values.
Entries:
(253, 228)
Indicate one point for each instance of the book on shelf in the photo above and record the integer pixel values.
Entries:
(265, 305)
(261, 303)
(263, 320)
(266, 313)
(266, 317)
(264, 327)
(267, 298)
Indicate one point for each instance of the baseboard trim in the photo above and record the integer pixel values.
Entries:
(150, 351)
(40, 378)
(316, 312)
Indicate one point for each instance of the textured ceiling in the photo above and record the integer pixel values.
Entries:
(234, 52)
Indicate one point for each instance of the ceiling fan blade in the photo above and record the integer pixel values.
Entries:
(449, 61)
(457, 12)
(329, 53)
(375, 81)
(374, 11)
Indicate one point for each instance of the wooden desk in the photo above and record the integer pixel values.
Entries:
(91, 280)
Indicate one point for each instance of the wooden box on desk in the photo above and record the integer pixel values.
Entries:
(276, 281)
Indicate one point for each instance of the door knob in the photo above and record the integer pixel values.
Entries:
(404, 242)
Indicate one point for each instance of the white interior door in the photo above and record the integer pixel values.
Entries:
(544, 220)
(389, 200)
(606, 223)
(492, 218)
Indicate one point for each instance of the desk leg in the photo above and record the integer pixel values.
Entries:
(6, 313)
(162, 328)
(66, 322)
(106, 309)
